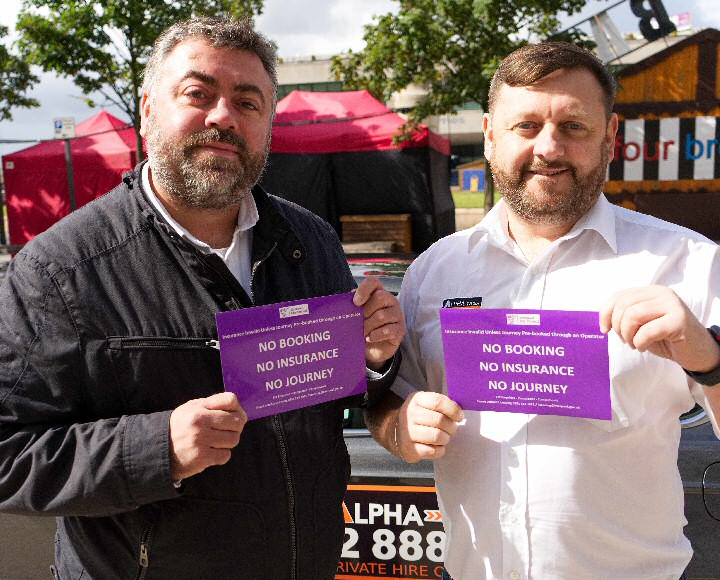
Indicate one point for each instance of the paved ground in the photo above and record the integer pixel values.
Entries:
(26, 547)
(26, 544)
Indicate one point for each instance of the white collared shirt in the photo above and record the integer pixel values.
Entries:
(237, 256)
(546, 497)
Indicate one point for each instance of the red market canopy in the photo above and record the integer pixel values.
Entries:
(36, 182)
(308, 122)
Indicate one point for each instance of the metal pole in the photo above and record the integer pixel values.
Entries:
(70, 175)
(3, 205)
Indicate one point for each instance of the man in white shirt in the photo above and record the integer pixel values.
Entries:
(541, 496)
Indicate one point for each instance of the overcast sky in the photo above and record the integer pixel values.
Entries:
(301, 28)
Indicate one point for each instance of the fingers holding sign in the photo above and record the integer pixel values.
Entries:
(424, 425)
(655, 319)
(646, 318)
(384, 322)
(203, 433)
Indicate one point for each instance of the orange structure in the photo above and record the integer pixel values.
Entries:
(667, 153)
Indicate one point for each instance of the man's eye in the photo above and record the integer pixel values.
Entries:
(575, 126)
(195, 94)
(249, 105)
(525, 126)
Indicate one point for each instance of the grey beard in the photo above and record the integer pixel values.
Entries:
(215, 183)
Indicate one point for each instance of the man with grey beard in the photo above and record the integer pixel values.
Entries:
(527, 495)
(113, 414)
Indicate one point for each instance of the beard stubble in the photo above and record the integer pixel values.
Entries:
(549, 205)
(204, 182)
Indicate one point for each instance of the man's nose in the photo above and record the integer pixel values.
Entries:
(549, 143)
(221, 115)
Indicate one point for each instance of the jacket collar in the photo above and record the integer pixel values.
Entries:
(273, 230)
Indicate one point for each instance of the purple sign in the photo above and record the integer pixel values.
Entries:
(291, 355)
(544, 362)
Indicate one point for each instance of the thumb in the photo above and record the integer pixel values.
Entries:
(222, 402)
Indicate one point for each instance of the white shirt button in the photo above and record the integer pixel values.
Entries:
(513, 519)
(515, 575)
(512, 453)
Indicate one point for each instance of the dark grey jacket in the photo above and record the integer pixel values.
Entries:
(105, 321)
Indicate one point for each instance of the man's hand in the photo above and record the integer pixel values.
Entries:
(384, 322)
(203, 432)
(424, 425)
(655, 319)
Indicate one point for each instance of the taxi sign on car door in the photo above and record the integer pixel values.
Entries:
(391, 532)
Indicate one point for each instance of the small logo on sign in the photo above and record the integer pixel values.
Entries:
(294, 310)
(523, 319)
(473, 302)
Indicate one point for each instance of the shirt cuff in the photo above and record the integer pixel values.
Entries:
(379, 382)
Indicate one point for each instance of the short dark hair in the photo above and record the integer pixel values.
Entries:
(533, 62)
(218, 32)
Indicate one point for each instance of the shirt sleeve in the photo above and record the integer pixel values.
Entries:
(411, 376)
(379, 382)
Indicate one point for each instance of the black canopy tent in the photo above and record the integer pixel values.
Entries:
(333, 154)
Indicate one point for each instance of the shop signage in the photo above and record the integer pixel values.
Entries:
(391, 531)
(666, 150)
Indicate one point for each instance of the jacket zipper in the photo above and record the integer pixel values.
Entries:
(235, 304)
(280, 436)
(176, 343)
(144, 558)
(282, 443)
(256, 265)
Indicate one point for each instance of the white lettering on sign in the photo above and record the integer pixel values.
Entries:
(388, 514)
(536, 350)
(539, 388)
(291, 341)
(534, 369)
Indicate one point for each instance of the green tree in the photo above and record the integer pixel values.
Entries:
(15, 80)
(103, 45)
(451, 48)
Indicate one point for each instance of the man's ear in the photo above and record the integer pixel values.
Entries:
(612, 129)
(144, 113)
(488, 133)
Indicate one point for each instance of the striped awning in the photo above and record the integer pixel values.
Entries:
(670, 149)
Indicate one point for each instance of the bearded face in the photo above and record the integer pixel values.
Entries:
(548, 146)
(192, 176)
(551, 202)
(207, 122)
